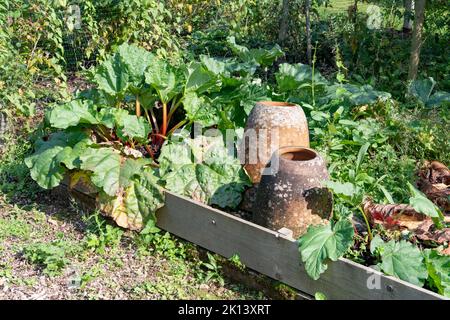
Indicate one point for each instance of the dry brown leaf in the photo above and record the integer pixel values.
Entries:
(393, 216)
(427, 232)
(435, 172)
(434, 182)
(445, 251)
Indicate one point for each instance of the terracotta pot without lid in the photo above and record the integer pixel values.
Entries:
(294, 197)
(288, 124)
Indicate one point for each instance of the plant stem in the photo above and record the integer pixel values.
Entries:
(138, 107)
(99, 130)
(172, 110)
(148, 118)
(178, 125)
(369, 230)
(159, 135)
(313, 80)
(102, 136)
(164, 123)
(154, 120)
(150, 152)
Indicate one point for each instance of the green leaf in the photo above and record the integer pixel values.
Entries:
(347, 189)
(438, 98)
(202, 169)
(261, 56)
(105, 164)
(400, 259)
(438, 267)
(71, 114)
(320, 296)
(387, 194)
(136, 204)
(163, 78)
(250, 94)
(422, 89)
(149, 228)
(135, 60)
(200, 79)
(111, 76)
(361, 154)
(199, 110)
(123, 71)
(356, 94)
(325, 242)
(422, 204)
(53, 157)
(130, 127)
(213, 65)
(291, 77)
(110, 171)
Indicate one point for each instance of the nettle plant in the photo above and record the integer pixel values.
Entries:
(120, 137)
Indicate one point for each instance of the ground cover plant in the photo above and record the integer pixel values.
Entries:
(145, 75)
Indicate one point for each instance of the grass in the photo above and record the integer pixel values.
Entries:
(340, 6)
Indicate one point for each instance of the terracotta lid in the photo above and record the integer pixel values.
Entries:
(296, 160)
(276, 104)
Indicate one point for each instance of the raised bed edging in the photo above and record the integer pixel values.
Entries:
(275, 254)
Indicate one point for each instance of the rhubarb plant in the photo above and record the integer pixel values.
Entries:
(117, 137)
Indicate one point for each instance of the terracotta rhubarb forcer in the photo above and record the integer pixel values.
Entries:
(274, 125)
(294, 197)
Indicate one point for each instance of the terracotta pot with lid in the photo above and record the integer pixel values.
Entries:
(293, 196)
(271, 125)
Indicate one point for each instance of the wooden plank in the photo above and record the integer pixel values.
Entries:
(275, 255)
(272, 253)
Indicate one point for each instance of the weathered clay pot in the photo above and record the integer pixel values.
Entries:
(293, 196)
(271, 125)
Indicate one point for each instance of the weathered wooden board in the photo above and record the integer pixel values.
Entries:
(277, 256)
(274, 254)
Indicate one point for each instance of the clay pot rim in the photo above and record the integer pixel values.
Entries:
(313, 154)
(268, 103)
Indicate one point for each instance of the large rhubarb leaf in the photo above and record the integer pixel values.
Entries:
(71, 114)
(292, 77)
(110, 170)
(203, 169)
(423, 90)
(105, 163)
(199, 110)
(54, 156)
(111, 76)
(131, 127)
(136, 203)
(200, 79)
(213, 65)
(164, 79)
(320, 243)
(128, 126)
(438, 267)
(123, 71)
(400, 259)
(135, 60)
(261, 56)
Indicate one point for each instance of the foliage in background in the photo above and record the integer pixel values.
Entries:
(207, 66)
